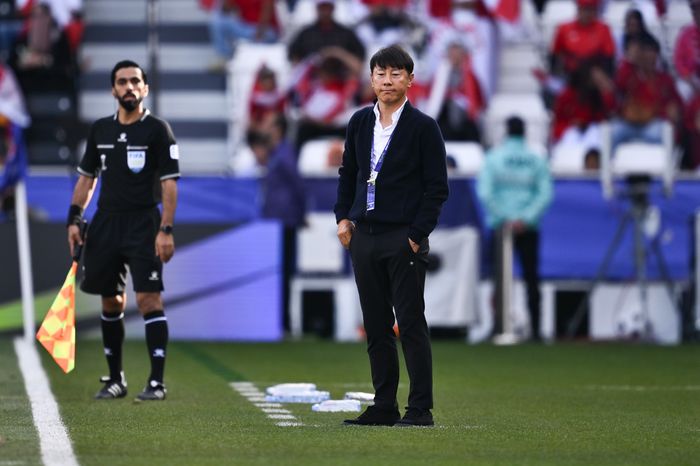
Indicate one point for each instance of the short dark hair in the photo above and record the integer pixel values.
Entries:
(127, 64)
(394, 56)
(515, 126)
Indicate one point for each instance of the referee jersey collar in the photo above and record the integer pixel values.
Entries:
(146, 112)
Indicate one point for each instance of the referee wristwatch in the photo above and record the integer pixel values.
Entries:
(167, 229)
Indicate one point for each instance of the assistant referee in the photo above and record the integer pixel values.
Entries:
(136, 156)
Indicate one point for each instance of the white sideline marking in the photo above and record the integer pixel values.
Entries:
(56, 448)
(272, 410)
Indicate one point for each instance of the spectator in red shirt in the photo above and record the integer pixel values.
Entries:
(647, 96)
(267, 101)
(457, 89)
(324, 92)
(587, 100)
(232, 20)
(586, 39)
(686, 55)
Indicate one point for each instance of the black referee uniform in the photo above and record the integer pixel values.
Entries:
(131, 161)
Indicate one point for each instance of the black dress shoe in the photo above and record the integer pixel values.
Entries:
(374, 416)
(416, 417)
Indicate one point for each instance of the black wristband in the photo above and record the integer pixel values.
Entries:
(75, 215)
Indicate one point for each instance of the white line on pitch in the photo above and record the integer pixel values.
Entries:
(268, 405)
(56, 448)
(289, 417)
(272, 410)
(237, 385)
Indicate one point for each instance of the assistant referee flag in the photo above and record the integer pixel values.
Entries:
(57, 331)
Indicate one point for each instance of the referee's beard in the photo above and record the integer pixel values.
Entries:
(129, 105)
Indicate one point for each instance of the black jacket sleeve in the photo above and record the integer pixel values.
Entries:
(434, 180)
(347, 175)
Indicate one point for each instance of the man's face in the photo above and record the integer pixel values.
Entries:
(390, 84)
(129, 88)
(324, 12)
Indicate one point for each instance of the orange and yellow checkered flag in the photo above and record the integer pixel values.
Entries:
(57, 331)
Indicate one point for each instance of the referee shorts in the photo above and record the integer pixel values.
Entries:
(115, 241)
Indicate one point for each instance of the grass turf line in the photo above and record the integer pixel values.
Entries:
(19, 442)
(522, 405)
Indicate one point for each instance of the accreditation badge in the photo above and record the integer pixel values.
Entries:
(136, 160)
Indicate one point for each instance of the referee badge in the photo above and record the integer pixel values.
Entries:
(136, 160)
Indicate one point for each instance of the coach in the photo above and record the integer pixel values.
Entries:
(392, 185)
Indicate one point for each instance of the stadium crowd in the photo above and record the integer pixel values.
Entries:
(591, 75)
(634, 80)
(39, 42)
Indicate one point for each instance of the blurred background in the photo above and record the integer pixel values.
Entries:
(258, 93)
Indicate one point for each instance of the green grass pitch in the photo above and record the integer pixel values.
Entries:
(567, 404)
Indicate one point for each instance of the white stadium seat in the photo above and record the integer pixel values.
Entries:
(529, 107)
(567, 160)
(469, 156)
(640, 157)
(313, 158)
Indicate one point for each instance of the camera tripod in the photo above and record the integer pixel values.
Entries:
(638, 194)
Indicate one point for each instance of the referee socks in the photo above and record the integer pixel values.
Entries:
(156, 340)
(112, 340)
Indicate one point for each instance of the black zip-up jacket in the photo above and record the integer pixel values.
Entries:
(412, 183)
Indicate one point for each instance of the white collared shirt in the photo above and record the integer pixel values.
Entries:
(382, 135)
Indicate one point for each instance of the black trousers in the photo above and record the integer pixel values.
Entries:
(526, 246)
(389, 274)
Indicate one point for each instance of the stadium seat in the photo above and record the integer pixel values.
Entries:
(313, 158)
(633, 158)
(317, 244)
(567, 160)
(529, 107)
(517, 62)
(468, 156)
(320, 266)
(640, 157)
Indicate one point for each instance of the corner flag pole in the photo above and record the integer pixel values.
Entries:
(25, 260)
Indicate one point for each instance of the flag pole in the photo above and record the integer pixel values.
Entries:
(25, 260)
